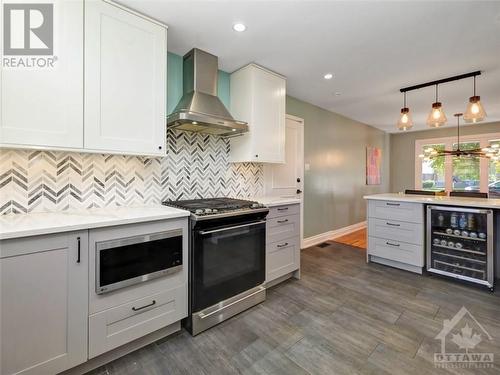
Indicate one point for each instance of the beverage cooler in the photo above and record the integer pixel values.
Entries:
(460, 243)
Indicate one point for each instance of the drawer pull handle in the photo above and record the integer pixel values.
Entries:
(143, 307)
(283, 221)
(79, 249)
(393, 225)
(282, 245)
(393, 244)
(393, 204)
(283, 209)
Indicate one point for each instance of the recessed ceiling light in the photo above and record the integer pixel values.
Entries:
(239, 27)
(338, 93)
(328, 76)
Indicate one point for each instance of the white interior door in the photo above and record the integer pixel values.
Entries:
(287, 180)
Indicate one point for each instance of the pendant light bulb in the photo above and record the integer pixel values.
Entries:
(436, 117)
(405, 120)
(475, 111)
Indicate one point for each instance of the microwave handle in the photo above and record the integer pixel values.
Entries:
(202, 232)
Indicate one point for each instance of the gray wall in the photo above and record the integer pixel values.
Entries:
(402, 171)
(335, 149)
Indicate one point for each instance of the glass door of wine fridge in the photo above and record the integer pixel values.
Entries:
(460, 243)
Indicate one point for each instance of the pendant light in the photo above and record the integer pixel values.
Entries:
(436, 117)
(405, 121)
(475, 111)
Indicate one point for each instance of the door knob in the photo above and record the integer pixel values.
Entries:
(299, 191)
(298, 179)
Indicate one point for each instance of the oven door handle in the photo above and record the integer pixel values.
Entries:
(202, 232)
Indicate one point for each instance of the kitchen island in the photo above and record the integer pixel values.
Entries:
(401, 234)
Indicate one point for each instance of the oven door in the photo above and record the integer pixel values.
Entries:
(226, 261)
(132, 260)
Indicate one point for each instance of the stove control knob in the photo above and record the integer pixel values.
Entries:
(214, 210)
(208, 210)
(199, 212)
(257, 205)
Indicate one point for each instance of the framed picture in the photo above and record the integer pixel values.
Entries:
(373, 165)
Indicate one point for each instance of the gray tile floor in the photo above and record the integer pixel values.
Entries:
(343, 317)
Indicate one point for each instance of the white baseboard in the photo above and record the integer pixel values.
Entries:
(319, 238)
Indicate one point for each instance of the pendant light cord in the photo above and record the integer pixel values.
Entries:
(404, 106)
(474, 85)
(436, 93)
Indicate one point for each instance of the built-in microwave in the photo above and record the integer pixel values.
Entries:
(132, 260)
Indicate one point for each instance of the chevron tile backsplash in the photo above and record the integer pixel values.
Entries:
(196, 166)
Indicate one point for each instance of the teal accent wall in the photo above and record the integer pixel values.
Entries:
(174, 83)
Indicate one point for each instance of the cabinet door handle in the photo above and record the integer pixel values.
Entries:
(393, 204)
(393, 225)
(143, 307)
(283, 209)
(393, 244)
(282, 245)
(283, 221)
(79, 249)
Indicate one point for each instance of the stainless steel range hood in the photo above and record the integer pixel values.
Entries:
(200, 110)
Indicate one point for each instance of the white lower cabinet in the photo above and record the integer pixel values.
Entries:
(43, 303)
(282, 241)
(122, 324)
(396, 234)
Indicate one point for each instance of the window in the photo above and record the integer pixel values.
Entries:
(466, 169)
(432, 170)
(494, 173)
(459, 174)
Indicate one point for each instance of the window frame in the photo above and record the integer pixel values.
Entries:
(448, 142)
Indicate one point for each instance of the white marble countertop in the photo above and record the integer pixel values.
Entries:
(271, 201)
(438, 200)
(32, 224)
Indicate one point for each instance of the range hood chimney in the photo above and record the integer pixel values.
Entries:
(200, 110)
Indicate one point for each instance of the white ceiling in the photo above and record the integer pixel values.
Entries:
(373, 48)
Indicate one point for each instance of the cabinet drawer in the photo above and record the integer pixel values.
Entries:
(114, 327)
(395, 250)
(393, 210)
(396, 230)
(280, 228)
(282, 257)
(291, 209)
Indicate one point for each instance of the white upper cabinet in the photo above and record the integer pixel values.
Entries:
(125, 81)
(44, 107)
(258, 97)
(106, 92)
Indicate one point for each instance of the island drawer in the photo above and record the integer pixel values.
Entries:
(396, 251)
(290, 209)
(394, 210)
(396, 230)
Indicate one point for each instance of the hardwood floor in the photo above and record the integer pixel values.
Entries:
(343, 317)
(355, 239)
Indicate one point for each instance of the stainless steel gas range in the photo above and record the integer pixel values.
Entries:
(226, 259)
